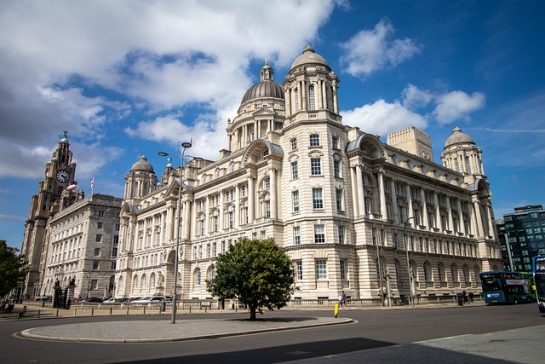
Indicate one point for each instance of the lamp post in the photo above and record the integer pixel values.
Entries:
(411, 278)
(184, 146)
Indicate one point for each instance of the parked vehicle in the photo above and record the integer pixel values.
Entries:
(93, 300)
(147, 300)
(113, 301)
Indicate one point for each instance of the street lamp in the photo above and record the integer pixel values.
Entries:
(411, 278)
(181, 154)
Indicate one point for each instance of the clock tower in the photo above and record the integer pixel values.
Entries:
(55, 191)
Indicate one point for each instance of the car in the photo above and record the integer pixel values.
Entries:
(113, 301)
(148, 299)
(44, 299)
(93, 300)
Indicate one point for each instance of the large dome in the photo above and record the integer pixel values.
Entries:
(309, 55)
(142, 165)
(266, 87)
(458, 137)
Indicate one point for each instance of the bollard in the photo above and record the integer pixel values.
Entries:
(189, 308)
(110, 311)
(38, 313)
(205, 309)
(92, 311)
(336, 310)
(127, 310)
(75, 312)
(144, 310)
(57, 314)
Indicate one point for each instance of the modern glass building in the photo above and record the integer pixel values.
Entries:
(522, 236)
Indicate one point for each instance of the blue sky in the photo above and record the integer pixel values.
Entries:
(136, 77)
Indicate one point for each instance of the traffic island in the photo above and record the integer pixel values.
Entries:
(163, 330)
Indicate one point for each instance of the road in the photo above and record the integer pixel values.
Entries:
(378, 335)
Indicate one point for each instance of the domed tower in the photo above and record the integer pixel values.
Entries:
(462, 154)
(140, 180)
(260, 113)
(311, 87)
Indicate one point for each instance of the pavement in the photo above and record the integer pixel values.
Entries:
(524, 345)
(141, 331)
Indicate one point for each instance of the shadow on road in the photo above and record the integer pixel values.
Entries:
(278, 353)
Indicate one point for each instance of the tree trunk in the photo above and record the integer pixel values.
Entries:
(252, 312)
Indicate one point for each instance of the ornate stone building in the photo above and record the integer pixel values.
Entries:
(353, 213)
(81, 244)
(52, 195)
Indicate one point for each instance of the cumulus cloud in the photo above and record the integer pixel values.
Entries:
(154, 56)
(371, 50)
(382, 117)
(416, 107)
(157, 56)
(457, 105)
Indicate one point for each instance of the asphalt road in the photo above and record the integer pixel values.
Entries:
(378, 335)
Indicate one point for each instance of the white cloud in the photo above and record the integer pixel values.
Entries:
(457, 105)
(208, 137)
(371, 50)
(382, 117)
(412, 97)
(158, 55)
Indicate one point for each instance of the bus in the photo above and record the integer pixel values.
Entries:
(538, 270)
(506, 287)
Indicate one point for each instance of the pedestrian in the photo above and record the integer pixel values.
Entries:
(464, 295)
(343, 298)
(340, 299)
(471, 297)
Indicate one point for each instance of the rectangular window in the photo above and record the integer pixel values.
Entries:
(311, 98)
(339, 199)
(94, 284)
(335, 142)
(294, 170)
(267, 184)
(267, 209)
(320, 266)
(116, 227)
(337, 169)
(343, 269)
(319, 233)
(299, 269)
(296, 235)
(98, 238)
(97, 252)
(295, 201)
(293, 143)
(96, 265)
(100, 225)
(315, 166)
(317, 200)
(314, 140)
(113, 265)
(341, 234)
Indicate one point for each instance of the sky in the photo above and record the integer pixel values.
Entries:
(130, 78)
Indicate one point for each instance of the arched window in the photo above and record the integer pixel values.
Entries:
(211, 273)
(466, 273)
(441, 272)
(197, 277)
(134, 283)
(144, 283)
(427, 272)
(454, 272)
(152, 281)
(295, 99)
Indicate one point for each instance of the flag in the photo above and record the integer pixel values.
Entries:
(93, 183)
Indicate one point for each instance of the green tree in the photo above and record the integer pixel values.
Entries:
(256, 272)
(12, 268)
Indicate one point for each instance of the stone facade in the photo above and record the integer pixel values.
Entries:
(81, 244)
(353, 213)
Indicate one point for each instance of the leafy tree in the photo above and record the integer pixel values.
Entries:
(256, 272)
(12, 268)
